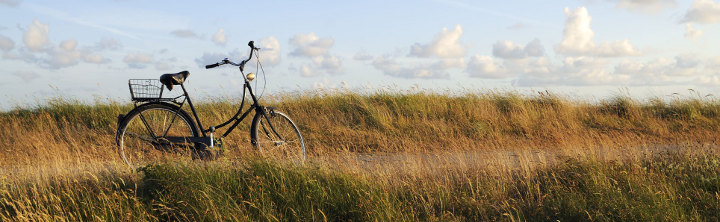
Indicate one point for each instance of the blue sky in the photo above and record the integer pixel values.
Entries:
(584, 49)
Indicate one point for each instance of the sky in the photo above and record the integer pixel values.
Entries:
(88, 50)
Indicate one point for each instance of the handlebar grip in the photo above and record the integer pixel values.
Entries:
(212, 66)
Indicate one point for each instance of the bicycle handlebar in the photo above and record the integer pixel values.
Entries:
(242, 63)
(212, 66)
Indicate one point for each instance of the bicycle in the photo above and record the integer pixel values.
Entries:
(157, 125)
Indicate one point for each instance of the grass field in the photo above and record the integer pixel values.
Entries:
(383, 156)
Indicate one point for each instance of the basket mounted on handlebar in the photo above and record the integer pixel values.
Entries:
(148, 90)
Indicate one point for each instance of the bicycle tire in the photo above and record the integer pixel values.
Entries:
(139, 134)
(285, 141)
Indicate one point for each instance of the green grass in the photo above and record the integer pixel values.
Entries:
(673, 188)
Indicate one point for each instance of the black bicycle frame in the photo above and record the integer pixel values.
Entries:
(235, 120)
(259, 109)
(255, 106)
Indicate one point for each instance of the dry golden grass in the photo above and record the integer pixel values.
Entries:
(437, 157)
(70, 131)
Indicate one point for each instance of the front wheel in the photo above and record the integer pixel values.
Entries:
(274, 135)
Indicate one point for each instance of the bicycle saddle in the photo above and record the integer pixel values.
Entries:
(171, 79)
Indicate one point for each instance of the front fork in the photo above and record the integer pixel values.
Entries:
(264, 112)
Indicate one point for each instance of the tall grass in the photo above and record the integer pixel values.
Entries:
(382, 156)
(671, 188)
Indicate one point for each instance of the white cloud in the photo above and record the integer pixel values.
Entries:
(6, 44)
(309, 45)
(331, 64)
(27, 76)
(426, 61)
(692, 33)
(391, 67)
(578, 38)
(67, 53)
(712, 72)
(36, 37)
(446, 44)
(662, 68)
(305, 70)
(444, 52)
(485, 67)
(588, 63)
(703, 11)
(687, 61)
(509, 50)
(11, 3)
(653, 67)
(64, 56)
(578, 71)
(318, 51)
(482, 66)
(61, 59)
(572, 71)
(709, 80)
(270, 50)
(534, 48)
(538, 65)
(138, 60)
(616, 49)
(646, 6)
(219, 37)
(586, 71)
(96, 59)
(185, 33)
(69, 45)
(452, 63)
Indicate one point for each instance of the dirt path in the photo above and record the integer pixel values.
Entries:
(500, 160)
(413, 163)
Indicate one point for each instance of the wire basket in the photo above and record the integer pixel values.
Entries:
(145, 89)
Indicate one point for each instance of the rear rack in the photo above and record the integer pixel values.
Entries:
(148, 90)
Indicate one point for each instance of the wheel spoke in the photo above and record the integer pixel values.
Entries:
(277, 136)
(169, 125)
(144, 138)
(147, 125)
(143, 135)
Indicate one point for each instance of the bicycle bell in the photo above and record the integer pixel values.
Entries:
(250, 76)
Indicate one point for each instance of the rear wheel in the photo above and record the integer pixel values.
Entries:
(275, 135)
(141, 134)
